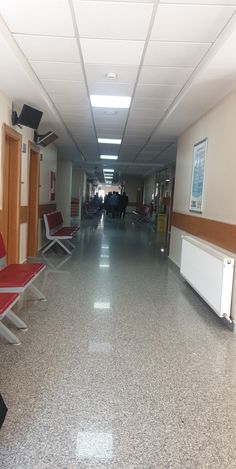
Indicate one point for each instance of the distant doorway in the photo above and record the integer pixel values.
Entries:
(33, 204)
(11, 192)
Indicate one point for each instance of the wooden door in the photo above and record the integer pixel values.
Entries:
(33, 205)
(11, 192)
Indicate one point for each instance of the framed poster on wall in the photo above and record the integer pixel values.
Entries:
(198, 172)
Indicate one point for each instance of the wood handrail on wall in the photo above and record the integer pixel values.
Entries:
(216, 232)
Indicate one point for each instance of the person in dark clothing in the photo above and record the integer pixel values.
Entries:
(114, 200)
(123, 202)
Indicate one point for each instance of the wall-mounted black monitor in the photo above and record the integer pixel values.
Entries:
(29, 116)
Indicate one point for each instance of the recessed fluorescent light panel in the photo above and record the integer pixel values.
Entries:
(109, 157)
(99, 100)
(105, 170)
(114, 141)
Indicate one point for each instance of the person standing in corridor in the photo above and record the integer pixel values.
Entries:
(124, 200)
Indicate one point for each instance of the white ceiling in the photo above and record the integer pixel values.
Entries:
(175, 59)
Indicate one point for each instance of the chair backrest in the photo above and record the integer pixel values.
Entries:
(59, 218)
(3, 252)
(50, 221)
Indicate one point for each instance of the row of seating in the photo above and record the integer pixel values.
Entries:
(14, 280)
(57, 233)
(143, 214)
(89, 211)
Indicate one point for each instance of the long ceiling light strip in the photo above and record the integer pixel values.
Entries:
(100, 100)
(108, 157)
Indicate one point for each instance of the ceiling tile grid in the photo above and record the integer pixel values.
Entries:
(119, 48)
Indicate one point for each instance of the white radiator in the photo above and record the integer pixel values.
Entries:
(209, 272)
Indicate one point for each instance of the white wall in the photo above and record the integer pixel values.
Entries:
(218, 126)
(78, 183)
(48, 164)
(64, 188)
(131, 187)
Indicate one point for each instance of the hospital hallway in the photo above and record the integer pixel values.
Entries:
(123, 367)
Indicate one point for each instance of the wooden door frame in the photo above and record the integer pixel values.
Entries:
(32, 245)
(11, 134)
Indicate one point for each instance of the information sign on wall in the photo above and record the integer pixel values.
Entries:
(197, 186)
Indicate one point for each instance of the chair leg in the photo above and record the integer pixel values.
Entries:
(8, 335)
(16, 320)
(71, 244)
(37, 292)
(49, 246)
(64, 247)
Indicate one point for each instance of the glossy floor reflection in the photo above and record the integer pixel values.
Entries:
(124, 367)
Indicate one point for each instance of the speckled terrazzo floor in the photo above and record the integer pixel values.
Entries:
(124, 367)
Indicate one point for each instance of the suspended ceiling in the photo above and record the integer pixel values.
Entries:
(175, 59)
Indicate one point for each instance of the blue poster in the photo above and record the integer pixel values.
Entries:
(199, 157)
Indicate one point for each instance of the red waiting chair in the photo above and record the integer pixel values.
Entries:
(7, 301)
(16, 278)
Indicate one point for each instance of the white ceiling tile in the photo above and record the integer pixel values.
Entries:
(102, 51)
(110, 133)
(150, 103)
(107, 20)
(113, 127)
(67, 87)
(108, 149)
(58, 70)
(131, 141)
(117, 114)
(146, 156)
(122, 89)
(129, 150)
(175, 54)
(83, 128)
(98, 73)
(50, 18)
(69, 98)
(103, 117)
(136, 130)
(51, 49)
(144, 114)
(140, 119)
(70, 109)
(165, 75)
(157, 91)
(193, 23)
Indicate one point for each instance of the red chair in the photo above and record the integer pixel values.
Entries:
(18, 277)
(56, 233)
(7, 301)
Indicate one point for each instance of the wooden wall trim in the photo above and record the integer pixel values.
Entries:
(216, 232)
(46, 208)
(24, 214)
